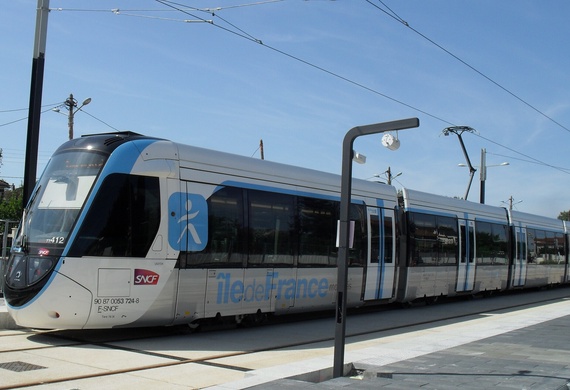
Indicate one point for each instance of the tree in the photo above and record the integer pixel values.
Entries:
(11, 205)
(564, 215)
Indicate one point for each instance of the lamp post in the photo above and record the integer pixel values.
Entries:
(344, 231)
(483, 173)
(71, 103)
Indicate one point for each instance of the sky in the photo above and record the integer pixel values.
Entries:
(299, 74)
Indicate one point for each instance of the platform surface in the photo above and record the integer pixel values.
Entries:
(520, 347)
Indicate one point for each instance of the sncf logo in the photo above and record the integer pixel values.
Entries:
(145, 277)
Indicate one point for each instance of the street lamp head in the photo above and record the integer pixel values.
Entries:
(359, 158)
(390, 142)
(86, 102)
(503, 164)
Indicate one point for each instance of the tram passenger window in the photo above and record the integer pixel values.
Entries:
(491, 243)
(123, 219)
(560, 248)
(423, 239)
(376, 233)
(532, 247)
(433, 240)
(317, 231)
(447, 240)
(388, 240)
(272, 229)
(359, 251)
(375, 239)
(541, 247)
(226, 233)
(553, 253)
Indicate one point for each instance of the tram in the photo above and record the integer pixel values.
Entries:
(125, 230)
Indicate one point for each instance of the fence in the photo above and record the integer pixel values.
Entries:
(7, 232)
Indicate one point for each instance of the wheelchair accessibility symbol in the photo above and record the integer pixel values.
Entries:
(188, 225)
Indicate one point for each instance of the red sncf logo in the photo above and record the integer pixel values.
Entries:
(145, 277)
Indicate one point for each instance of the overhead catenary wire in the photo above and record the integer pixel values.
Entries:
(395, 16)
(249, 37)
(242, 34)
(175, 5)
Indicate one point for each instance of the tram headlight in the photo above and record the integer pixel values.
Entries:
(16, 272)
(38, 267)
(24, 271)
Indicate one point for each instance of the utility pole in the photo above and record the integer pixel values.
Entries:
(33, 136)
(511, 202)
(71, 103)
(390, 176)
(261, 148)
(483, 175)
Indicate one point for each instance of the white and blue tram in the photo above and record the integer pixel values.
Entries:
(124, 230)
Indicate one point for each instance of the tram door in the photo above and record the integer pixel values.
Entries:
(380, 268)
(520, 258)
(466, 266)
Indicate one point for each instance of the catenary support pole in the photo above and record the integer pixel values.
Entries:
(33, 136)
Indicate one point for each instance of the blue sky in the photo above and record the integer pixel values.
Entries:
(322, 67)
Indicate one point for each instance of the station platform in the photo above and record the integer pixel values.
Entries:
(508, 342)
(524, 349)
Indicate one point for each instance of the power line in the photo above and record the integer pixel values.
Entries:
(22, 119)
(26, 109)
(525, 160)
(252, 39)
(249, 37)
(52, 106)
(100, 120)
(242, 34)
(395, 16)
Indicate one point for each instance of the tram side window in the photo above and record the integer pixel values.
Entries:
(447, 240)
(423, 238)
(226, 243)
(317, 228)
(388, 240)
(555, 248)
(545, 247)
(560, 247)
(359, 251)
(491, 243)
(272, 229)
(433, 240)
(375, 238)
(123, 219)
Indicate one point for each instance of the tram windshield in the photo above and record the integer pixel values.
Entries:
(56, 202)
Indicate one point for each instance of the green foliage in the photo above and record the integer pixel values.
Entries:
(11, 205)
(564, 215)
